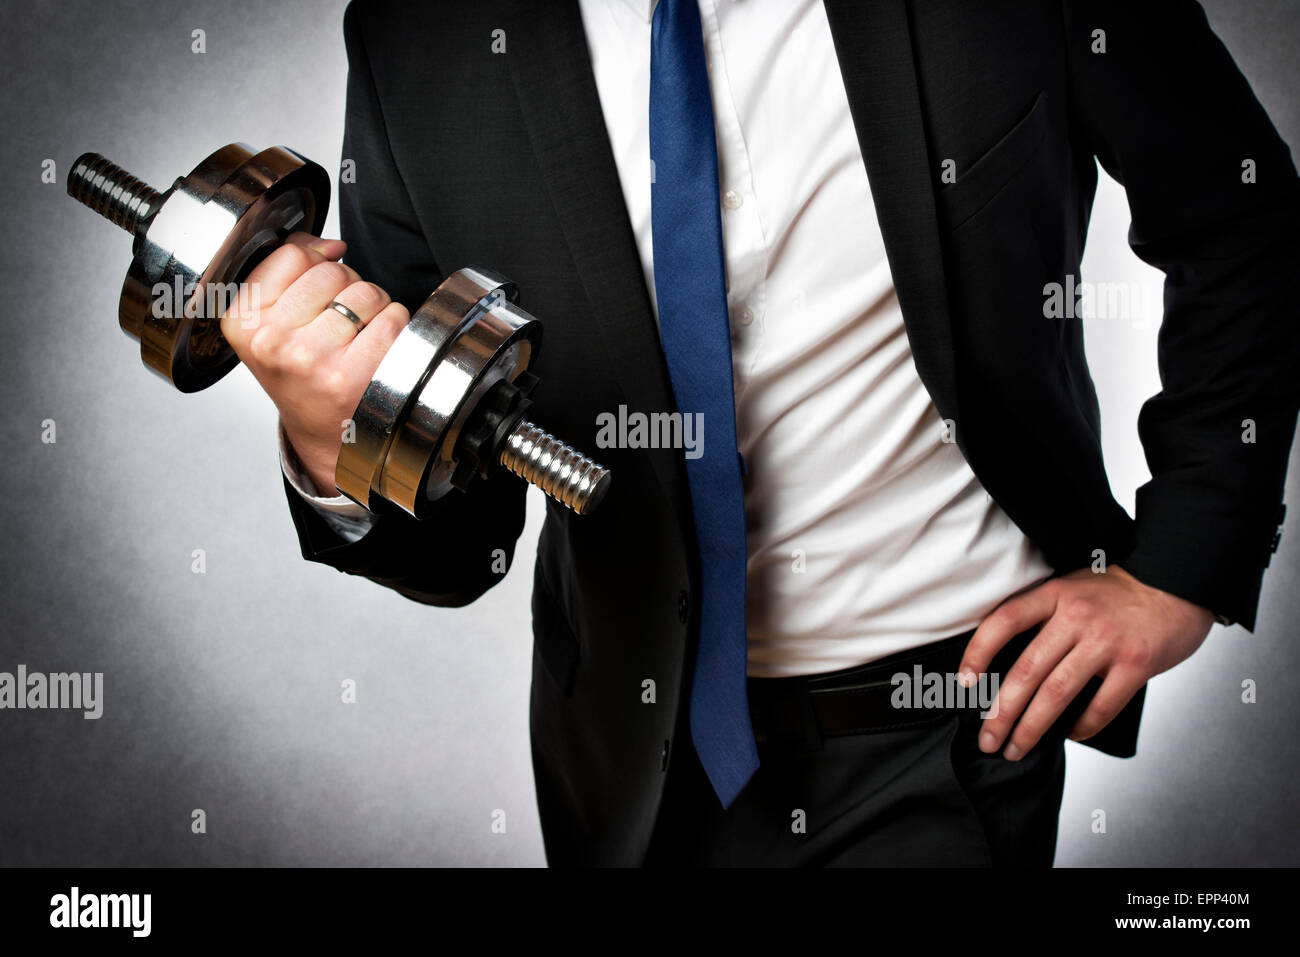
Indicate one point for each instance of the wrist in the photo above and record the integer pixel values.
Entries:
(317, 470)
(323, 481)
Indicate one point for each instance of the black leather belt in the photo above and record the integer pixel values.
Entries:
(862, 700)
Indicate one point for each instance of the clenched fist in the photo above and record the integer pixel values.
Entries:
(312, 360)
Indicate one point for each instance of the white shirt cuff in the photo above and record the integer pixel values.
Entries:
(345, 517)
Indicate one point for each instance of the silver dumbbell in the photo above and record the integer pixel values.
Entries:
(449, 398)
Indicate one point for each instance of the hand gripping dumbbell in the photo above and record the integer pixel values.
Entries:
(448, 400)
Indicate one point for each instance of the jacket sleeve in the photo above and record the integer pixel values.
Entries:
(467, 544)
(1214, 201)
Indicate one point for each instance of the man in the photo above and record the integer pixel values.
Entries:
(838, 259)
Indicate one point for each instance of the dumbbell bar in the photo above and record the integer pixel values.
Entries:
(447, 402)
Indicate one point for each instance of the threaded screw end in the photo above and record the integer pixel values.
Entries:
(111, 191)
(564, 474)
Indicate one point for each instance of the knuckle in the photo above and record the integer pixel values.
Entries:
(293, 258)
(1056, 686)
(387, 326)
(330, 274)
(264, 346)
(1105, 630)
(1136, 653)
(336, 385)
(1078, 609)
(1025, 667)
(366, 294)
(1101, 716)
(298, 360)
(395, 315)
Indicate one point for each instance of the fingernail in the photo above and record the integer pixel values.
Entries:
(1012, 753)
(967, 678)
(325, 246)
(988, 742)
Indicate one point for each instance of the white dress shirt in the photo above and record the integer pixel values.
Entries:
(868, 534)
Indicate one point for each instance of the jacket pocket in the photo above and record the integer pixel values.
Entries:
(983, 179)
(553, 637)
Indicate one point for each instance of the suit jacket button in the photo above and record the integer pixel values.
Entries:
(683, 606)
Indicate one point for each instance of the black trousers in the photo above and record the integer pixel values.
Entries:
(912, 797)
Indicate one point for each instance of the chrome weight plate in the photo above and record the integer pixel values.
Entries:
(465, 337)
(208, 232)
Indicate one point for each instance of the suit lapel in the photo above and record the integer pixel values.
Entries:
(874, 45)
(557, 93)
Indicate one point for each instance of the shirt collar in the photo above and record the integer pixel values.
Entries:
(642, 8)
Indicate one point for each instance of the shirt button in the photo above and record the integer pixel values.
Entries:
(731, 199)
(745, 316)
(683, 606)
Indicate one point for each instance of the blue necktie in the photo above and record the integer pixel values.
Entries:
(690, 285)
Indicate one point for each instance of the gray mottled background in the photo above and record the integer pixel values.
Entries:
(223, 689)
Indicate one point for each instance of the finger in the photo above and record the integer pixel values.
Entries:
(333, 330)
(311, 293)
(282, 268)
(1116, 691)
(1058, 689)
(363, 354)
(1015, 615)
(270, 278)
(369, 347)
(319, 243)
(1022, 679)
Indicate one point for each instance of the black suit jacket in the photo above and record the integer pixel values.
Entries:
(466, 155)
